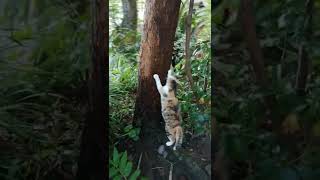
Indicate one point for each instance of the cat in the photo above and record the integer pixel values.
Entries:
(170, 108)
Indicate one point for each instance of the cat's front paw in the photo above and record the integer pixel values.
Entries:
(156, 76)
(174, 148)
(169, 143)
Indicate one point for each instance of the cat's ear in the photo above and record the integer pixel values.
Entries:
(171, 67)
(171, 71)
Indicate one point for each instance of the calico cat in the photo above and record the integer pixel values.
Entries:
(170, 108)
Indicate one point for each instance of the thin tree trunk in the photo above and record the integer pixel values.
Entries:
(302, 71)
(30, 11)
(303, 61)
(187, 45)
(161, 19)
(93, 153)
(129, 8)
(249, 29)
(256, 58)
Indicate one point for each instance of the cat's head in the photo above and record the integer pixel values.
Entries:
(171, 74)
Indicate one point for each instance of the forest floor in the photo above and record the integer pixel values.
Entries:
(190, 162)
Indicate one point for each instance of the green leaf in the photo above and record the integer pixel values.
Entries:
(128, 128)
(113, 171)
(135, 175)
(118, 177)
(128, 169)
(136, 138)
(132, 133)
(123, 162)
(115, 157)
(25, 33)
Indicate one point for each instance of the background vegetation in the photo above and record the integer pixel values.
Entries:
(252, 148)
(44, 53)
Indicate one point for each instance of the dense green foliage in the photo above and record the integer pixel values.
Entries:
(43, 56)
(256, 152)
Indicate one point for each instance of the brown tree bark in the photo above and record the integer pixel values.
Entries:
(93, 153)
(129, 8)
(160, 23)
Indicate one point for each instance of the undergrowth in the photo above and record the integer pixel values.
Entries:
(43, 63)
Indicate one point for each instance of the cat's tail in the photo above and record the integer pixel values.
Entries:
(178, 137)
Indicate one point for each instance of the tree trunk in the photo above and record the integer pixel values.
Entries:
(256, 58)
(129, 8)
(93, 153)
(161, 18)
(249, 29)
(187, 47)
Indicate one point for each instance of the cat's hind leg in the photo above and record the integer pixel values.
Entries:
(178, 137)
(170, 135)
(171, 141)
